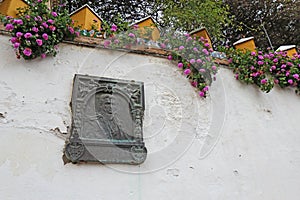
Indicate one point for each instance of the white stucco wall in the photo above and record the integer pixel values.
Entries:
(238, 143)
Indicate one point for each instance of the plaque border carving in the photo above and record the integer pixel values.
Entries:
(79, 149)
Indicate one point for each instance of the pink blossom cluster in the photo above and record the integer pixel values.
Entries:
(266, 69)
(34, 34)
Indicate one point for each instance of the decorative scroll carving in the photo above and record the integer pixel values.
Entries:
(107, 121)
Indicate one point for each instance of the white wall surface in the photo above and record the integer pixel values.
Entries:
(238, 143)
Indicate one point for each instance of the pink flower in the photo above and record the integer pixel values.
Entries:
(35, 29)
(236, 76)
(202, 70)
(195, 49)
(273, 67)
(180, 65)
(205, 89)
(114, 28)
(52, 28)
(71, 30)
(43, 55)
(106, 43)
(290, 81)
(260, 57)
(194, 83)
(19, 34)
(16, 45)
(287, 74)
(192, 61)
(263, 81)
(275, 60)
(201, 94)
(181, 48)
(214, 68)
(131, 35)
(135, 27)
(296, 76)
(163, 46)
(199, 61)
(253, 53)
(205, 52)
(54, 14)
(252, 68)
(170, 57)
(13, 40)
(255, 74)
(39, 42)
(276, 81)
(44, 24)
(77, 33)
(116, 41)
(51, 21)
(187, 71)
(189, 39)
(28, 35)
(283, 66)
(260, 62)
(27, 51)
(45, 36)
(206, 44)
(9, 27)
(18, 21)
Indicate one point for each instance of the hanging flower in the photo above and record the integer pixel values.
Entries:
(16, 45)
(131, 35)
(54, 14)
(39, 42)
(187, 71)
(9, 27)
(27, 35)
(45, 36)
(114, 28)
(19, 34)
(180, 65)
(27, 51)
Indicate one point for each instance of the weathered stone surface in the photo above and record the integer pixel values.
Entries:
(107, 121)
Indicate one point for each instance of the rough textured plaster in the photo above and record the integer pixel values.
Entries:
(239, 143)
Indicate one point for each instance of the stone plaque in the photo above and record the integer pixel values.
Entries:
(107, 121)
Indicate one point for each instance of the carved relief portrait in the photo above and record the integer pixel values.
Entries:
(107, 116)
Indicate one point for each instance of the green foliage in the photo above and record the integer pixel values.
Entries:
(189, 15)
(118, 25)
(280, 18)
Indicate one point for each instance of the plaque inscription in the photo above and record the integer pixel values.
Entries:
(107, 121)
